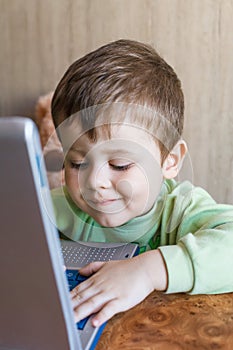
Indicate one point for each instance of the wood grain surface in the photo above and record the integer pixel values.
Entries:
(173, 322)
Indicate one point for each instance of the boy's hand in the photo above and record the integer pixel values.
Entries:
(117, 286)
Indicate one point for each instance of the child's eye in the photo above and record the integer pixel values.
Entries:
(78, 166)
(121, 167)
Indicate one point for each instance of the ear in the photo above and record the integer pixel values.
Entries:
(174, 160)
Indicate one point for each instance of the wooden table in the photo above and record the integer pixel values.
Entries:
(173, 322)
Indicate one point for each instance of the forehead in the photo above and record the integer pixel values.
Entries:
(124, 139)
(101, 119)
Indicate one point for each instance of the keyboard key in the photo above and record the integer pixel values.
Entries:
(71, 275)
(81, 324)
(72, 284)
(81, 278)
(74, 278)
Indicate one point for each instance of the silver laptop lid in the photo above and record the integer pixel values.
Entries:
(35, 311)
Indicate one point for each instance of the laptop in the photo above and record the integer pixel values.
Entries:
(35, 307)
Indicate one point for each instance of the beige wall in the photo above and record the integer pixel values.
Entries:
(40, 38)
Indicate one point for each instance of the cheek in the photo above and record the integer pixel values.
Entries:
(73, 187)
(71, 179)
(133, 183)
(142, 183)
(68, 176)
(155, 181)
(125, 187)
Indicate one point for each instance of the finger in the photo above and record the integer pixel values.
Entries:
(80, 288)
(91, 268)
(75, 293)
(89, 307)
(76, 300)
(108, 311)
(80, 296)
(84, 291)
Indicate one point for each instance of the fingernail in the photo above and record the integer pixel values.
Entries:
(95, 323)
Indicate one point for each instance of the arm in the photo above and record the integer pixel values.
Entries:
(197, 241)
(201, 263)
(117, 286)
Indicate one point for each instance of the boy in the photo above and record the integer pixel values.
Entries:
(119, 115)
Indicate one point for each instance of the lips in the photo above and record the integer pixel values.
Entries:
(103, 202)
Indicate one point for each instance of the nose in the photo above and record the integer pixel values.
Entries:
(98, 177)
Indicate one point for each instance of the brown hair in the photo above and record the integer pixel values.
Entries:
(123, 71)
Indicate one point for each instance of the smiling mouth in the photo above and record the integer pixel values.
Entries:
(103, 203)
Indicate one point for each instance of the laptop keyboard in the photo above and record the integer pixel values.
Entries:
(80, 255)
(84, 255)
(74, 278)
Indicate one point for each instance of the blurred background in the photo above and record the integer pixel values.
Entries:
(39, 39)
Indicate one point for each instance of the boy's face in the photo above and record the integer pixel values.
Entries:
(116, 179)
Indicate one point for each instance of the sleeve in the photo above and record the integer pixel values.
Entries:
(200, 261)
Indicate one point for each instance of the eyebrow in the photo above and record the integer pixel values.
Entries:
(122, 151)
(77, 151)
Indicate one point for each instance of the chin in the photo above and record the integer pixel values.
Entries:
(110, 222)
